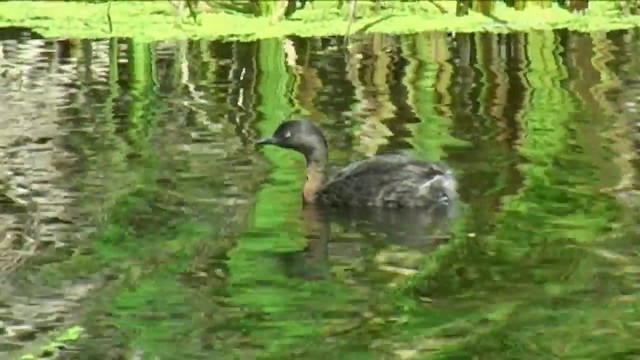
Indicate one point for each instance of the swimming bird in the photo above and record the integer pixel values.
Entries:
(382, 181)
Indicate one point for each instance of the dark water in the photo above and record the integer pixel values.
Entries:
(137, 212)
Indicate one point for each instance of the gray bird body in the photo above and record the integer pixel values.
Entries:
(391, 181)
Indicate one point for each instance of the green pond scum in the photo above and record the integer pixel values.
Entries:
(56, 342)
(158, 20)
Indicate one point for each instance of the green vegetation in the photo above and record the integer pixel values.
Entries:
(157, 20)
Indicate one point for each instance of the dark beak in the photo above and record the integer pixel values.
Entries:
(265, 141)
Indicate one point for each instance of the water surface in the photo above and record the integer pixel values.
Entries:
(138, 212)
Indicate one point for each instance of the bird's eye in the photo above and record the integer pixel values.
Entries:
(287, 134)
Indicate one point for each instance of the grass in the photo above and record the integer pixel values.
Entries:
(157, 20)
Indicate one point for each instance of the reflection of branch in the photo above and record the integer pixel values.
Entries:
(368, 26)
(361, 322)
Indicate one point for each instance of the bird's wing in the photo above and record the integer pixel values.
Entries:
(377, 178)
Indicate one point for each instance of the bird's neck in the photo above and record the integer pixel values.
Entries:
(317, 159)
(316, 176)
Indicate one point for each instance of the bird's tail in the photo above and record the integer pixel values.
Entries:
(442, 187)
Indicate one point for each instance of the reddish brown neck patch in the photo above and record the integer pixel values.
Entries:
(315, 179)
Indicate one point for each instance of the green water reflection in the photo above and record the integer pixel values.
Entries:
(190, 243)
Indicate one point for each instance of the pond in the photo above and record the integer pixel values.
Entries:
(140, 221)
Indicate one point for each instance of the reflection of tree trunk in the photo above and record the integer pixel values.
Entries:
(427, 78)
(353, 62)
(442, 57)
(496, 81)
(309, 83)
(87, 57)
(63, 49)
(183, 58)
(399, 89)
(510, 97)
(74, 48)
(589, 83)
(374, 99)
(241, 94)
(499, 101)
(629, 148)
(621, 127)
(353, 65)
(581, 72)
(464, 70)
(516, 48)
(489, 101)
(516, 101)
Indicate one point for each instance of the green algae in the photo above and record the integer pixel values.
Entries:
(58, 341)
(157, 20)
